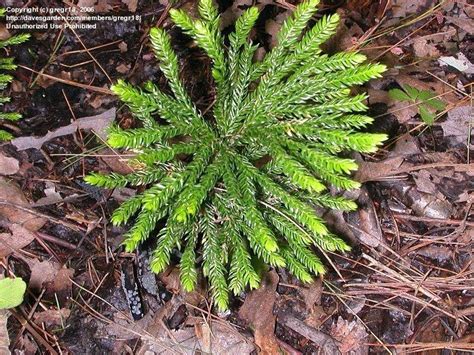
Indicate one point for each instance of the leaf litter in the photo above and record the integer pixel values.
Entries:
(412, 235)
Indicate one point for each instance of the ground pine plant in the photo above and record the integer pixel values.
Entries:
(6, 64)
(237, 189)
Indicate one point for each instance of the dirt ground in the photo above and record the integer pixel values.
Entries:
(408, 284)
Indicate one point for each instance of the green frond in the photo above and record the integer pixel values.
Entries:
(168, 238)
(298, 174)
(8, 64)
(191, 199)
(187, 266)
(10, 116)
(5, 136)
(320, 160)
(208, 11)
(241, 186)
(114, 180)
(243, 26)
(361, 142)
(156, 197)
(207, 36)
(317, 35)
(141, 230)
(332, 243)
(293, 27)
(126, 210)
(213, 261)
(332, 202)
(14, 40)
(161, 44)
(141, 137)
(164, 153)
(295, 267)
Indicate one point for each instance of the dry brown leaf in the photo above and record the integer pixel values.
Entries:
(62, 281)
(52, 317)
(375, 171)
(257, 311)
(458, 123)
(42, 272)
(8, 165)
(403, 8)
(423, 49)
(115, 161)
(326, 344)
(123, 68)
(12, 195)
(97, 124)
(351, 337)
(222, 339)
(4, 337)
(19, 238)
(170, 279)
(131, 4)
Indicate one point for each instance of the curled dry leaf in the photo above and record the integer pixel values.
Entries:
(326, 344)
(131, 4)
(4, 337)
(217, 338)
(42, 272)
(97, 124)
(52, 317)
(20, 223)
(18, 238)
(8, 165)
(257, 311)
(459, 124)
(351, 337)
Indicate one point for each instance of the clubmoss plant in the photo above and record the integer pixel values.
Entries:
(240, 187)
(5, 79)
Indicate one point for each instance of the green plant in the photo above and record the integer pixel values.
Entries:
(241, 184)
(5, 79)
(428, 106)
(11, 292)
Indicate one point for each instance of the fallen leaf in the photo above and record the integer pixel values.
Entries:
(11, 292)
(4, 337)
(461, 63)
(463, 22)
(351, 336)
(18, 238)
(123, 68)
(327, 345)
(403, 8)
(52, 317)
(131, 4)
(12, 195)
(257, 311)
(376, 171)
(457, 125)
(97, 124)
(116, 162)
(8, 165)
(423, 49)
(42, 272)
(51, 196)
(439, 253)
(62, 281)
(216, 338)
(4, 33)
(424, 183)
(123, 47)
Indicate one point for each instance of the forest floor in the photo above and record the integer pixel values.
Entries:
(408, 284)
